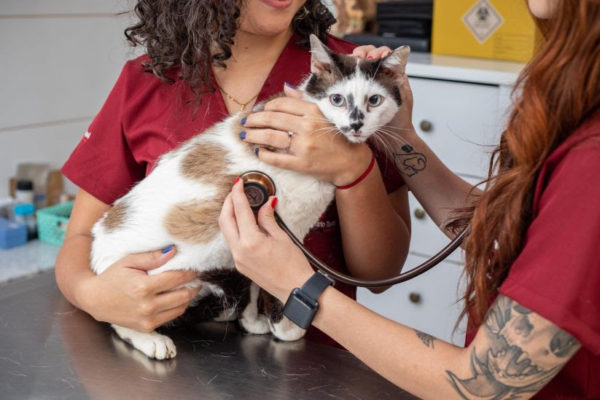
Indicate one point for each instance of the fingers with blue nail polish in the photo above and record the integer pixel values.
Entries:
(243, 135)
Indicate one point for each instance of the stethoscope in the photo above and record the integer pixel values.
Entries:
(258, 186)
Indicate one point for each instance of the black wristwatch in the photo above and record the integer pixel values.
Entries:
(302, 305)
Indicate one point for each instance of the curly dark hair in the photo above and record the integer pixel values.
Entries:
(180, 33)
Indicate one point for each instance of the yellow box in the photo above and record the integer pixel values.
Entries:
(497, 29)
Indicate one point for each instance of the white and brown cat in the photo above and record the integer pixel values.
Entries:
(180, 200)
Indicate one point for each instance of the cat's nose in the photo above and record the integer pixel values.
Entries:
(356, 126)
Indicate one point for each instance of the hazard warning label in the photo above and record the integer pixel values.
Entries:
(482, 20)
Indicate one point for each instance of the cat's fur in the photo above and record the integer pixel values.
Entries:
(180, 200)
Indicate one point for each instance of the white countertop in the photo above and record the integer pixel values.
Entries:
(465, 69)
(25, 260)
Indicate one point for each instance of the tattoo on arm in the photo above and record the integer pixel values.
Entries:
(410, 163)
(426, 338)
(523, 353)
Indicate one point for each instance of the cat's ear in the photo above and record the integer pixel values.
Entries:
(396, 62)
(320, 59)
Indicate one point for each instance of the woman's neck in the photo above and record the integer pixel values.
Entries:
(252, 57)
(251, 49)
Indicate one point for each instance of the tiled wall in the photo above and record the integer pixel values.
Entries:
(58, 61)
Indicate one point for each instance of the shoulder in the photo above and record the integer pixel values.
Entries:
(340, 45)
(134, 72)
(580, 151)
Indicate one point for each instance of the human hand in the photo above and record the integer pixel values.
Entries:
(262, 251)
(371, 52)
(316, 147)
(124, 294)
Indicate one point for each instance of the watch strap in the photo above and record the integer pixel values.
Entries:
(315, 285)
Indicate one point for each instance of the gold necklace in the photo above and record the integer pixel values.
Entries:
(230, 97)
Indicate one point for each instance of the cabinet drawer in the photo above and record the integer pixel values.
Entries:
(426, 238)
(461, 122)
(427, 303)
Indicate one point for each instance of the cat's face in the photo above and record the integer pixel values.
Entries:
(359, 96)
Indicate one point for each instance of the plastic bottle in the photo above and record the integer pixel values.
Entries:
(25, 214)
(24, 191)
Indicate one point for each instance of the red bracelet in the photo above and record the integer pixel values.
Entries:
(361, 177)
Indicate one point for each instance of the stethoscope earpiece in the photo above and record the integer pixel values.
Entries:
(258, 186)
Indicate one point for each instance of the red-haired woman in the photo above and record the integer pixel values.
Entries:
(532, 255)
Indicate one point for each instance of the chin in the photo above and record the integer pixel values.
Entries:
(261, 19)
(542, 9)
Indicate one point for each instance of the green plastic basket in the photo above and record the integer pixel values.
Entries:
(52, 223)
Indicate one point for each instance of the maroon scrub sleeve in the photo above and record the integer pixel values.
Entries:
(102, 164)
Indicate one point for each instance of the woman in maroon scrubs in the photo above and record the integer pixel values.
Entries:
(206, 60)
(532, 255)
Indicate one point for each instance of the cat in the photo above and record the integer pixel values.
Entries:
(179, 202)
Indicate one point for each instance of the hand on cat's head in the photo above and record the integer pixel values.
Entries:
(371, 52)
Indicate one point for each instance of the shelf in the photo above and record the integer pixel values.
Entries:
(463, 69)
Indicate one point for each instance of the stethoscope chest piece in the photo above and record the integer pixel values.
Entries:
(258, 186)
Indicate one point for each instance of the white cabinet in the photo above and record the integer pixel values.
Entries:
(459, 110)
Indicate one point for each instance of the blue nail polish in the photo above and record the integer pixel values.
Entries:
(243, 135)
(290, 85)
(256, 151)
(243, 121)
(167, 249)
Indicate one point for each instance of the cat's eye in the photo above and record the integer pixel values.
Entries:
(375, 100)
(337, 100)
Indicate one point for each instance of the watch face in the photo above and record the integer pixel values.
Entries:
(298, 310)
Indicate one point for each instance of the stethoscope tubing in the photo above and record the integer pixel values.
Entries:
(403, 277)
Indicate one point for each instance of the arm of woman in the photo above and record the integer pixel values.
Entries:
(379, 247)
(124, 294)
(515, 353)
(437, 188)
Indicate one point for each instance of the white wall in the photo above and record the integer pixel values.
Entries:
(58, 61)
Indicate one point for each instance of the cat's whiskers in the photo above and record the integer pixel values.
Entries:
(391, 136)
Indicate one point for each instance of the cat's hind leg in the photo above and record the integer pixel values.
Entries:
(152, 344)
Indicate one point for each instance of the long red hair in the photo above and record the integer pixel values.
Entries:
(556, 92)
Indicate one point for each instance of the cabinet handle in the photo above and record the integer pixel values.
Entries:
(426, 126)
(414, 297)
(420, 213)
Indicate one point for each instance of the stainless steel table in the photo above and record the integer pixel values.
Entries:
(50, 350)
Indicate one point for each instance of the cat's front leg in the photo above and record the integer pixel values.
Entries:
(281, 327)
(286, 330)
(152, 344)
(251, 320)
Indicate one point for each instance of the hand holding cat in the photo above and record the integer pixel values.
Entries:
(261, 250)
(124, 294)
(316, 147)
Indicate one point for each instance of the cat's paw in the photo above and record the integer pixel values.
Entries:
(256, 324)
(152, 344)
(286, 330)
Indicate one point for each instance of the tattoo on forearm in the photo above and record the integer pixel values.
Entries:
(410, 162)
(525, 352)
(426, 338)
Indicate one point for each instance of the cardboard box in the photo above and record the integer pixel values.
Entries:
(496, 29)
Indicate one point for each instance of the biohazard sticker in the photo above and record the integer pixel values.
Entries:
(482, 20)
